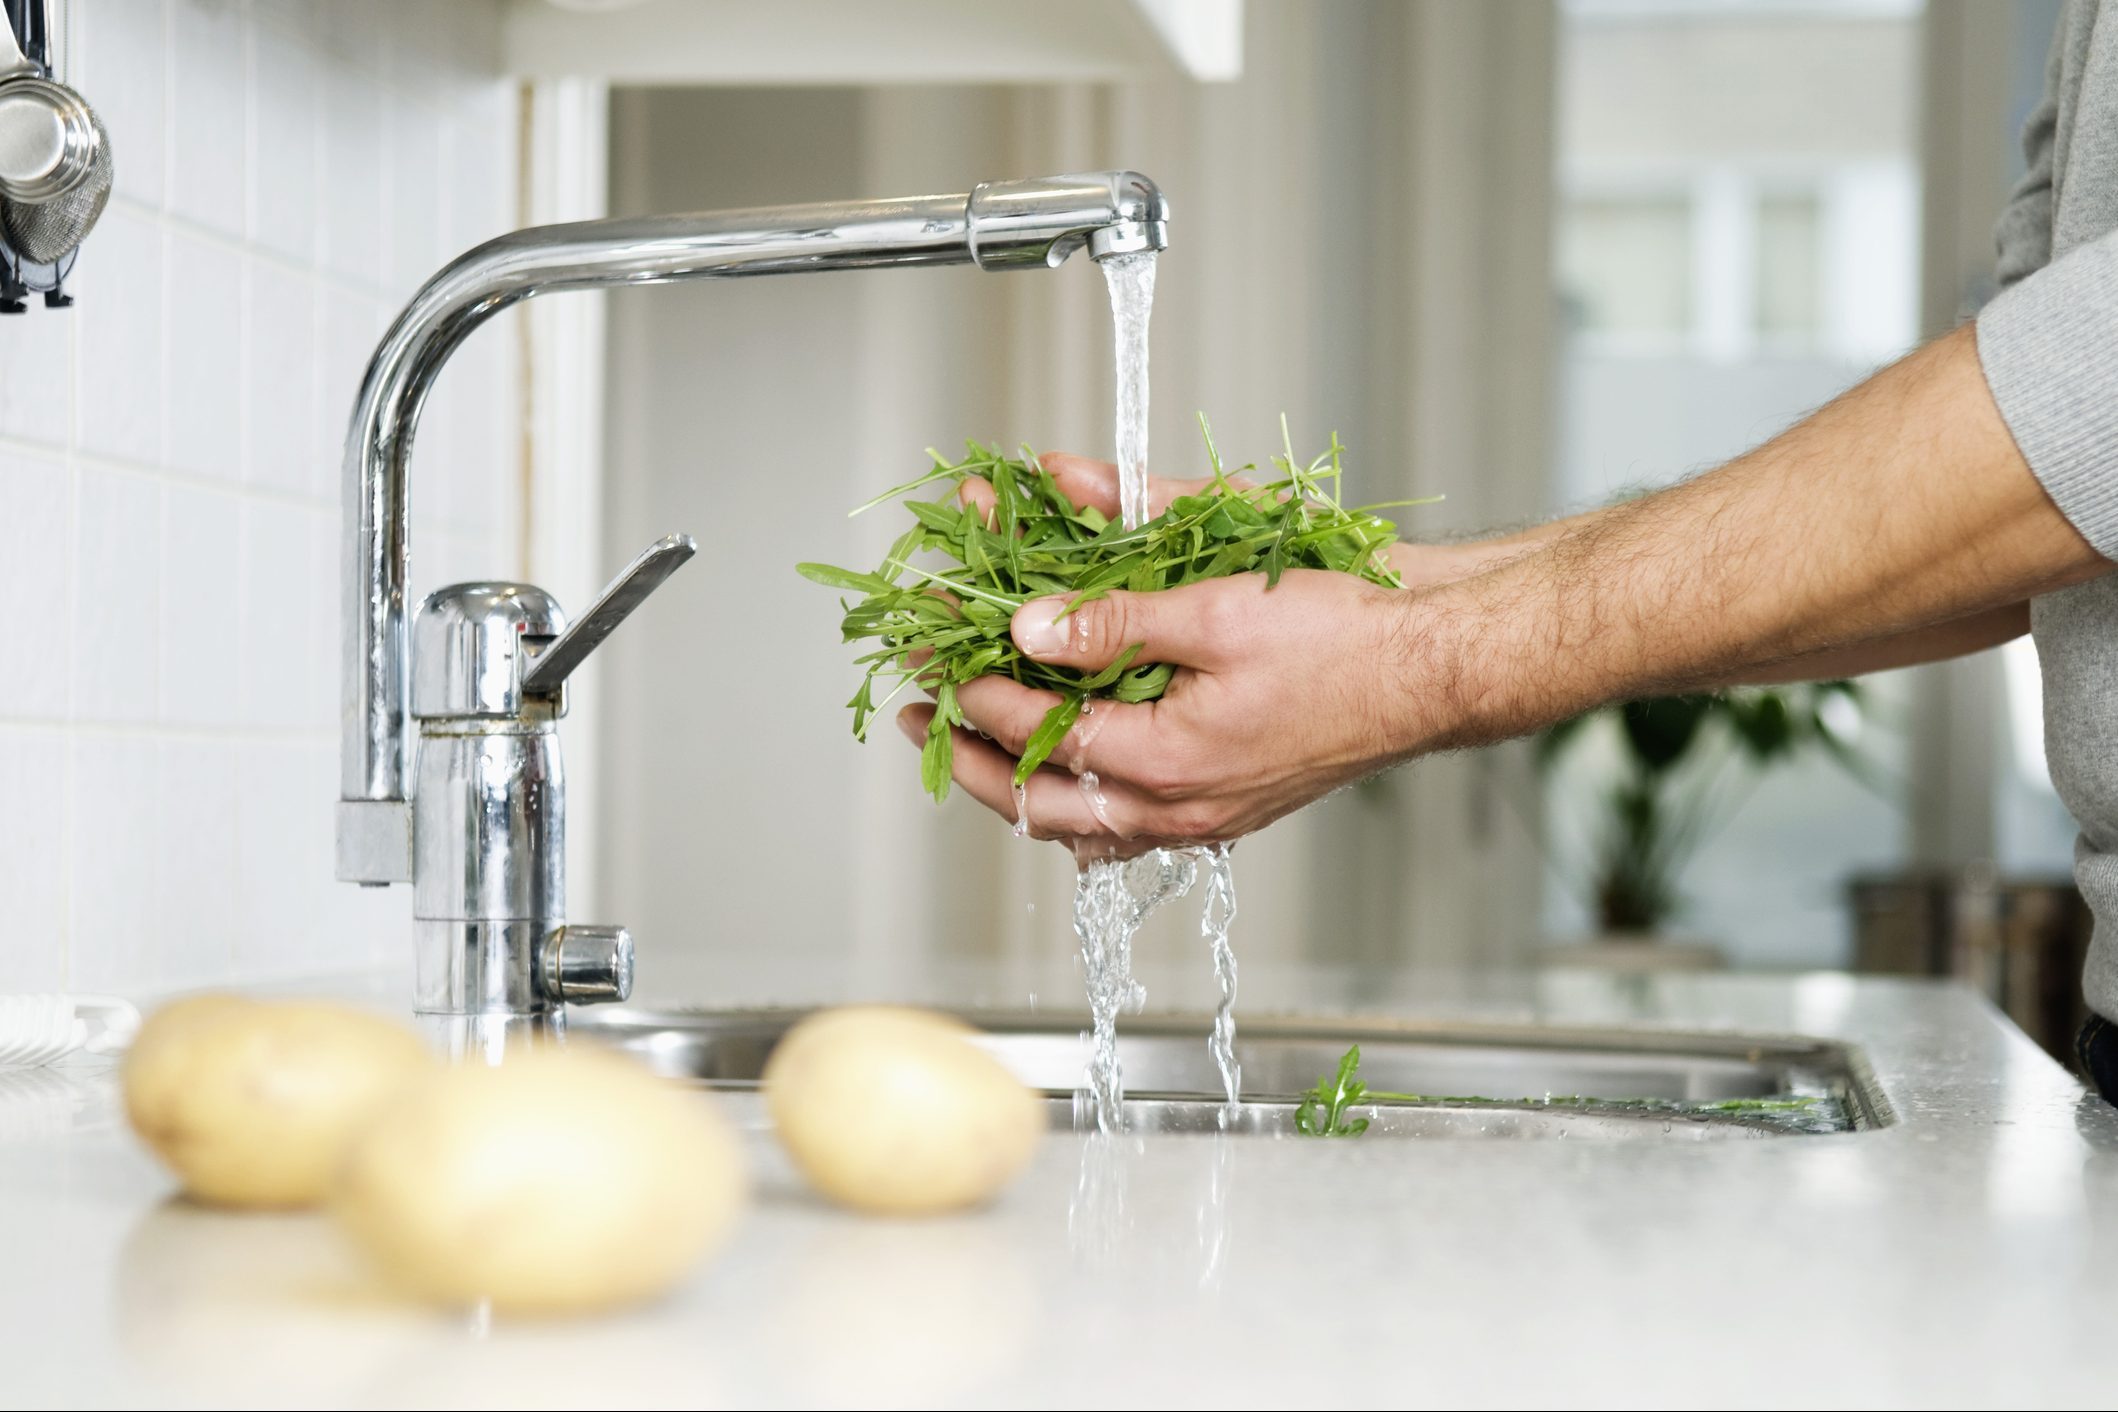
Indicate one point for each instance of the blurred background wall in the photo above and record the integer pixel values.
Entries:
(1760, 204)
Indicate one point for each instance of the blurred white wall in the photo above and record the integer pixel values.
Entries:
(1360, 240)
(1762, 201)
(1776, 148)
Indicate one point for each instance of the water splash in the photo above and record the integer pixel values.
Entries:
(1083, 735)
(1092, 794)
(1132, 300)
(1214, 923)
(1112, 899)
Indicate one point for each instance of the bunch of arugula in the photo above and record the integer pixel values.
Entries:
(952, 619)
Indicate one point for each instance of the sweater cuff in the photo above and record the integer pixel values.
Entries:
(2049, 348)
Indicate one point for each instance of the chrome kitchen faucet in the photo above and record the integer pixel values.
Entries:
(477, 824)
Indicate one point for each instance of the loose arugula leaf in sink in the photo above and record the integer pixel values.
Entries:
(941, 626)
(1322, 1111)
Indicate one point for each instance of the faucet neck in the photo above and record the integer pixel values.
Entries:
(1000, 225)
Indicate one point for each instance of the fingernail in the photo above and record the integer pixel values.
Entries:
(1036, 627)
(910, 722)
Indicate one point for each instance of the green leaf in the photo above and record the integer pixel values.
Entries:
(1045, 739)
(937, 758)
(1662, 729)
(1763, 722)
(1115, 670)
(942, 519)
(830, 576)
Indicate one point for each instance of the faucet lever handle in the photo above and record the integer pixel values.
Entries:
(556, 662)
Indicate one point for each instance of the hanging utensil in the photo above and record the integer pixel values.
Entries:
(55, 162)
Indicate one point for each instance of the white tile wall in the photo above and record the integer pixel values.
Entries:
(36, 574)
(33, 766)
(169, 496)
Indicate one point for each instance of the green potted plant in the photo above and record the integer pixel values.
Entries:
(1682, 764)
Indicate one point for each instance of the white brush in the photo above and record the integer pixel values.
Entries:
(42, 1027)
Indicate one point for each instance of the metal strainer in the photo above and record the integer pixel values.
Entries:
(55, 165)
(46, 232)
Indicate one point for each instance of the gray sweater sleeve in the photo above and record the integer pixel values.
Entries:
(2023, 234)
(2045, 342)
(2046, 345)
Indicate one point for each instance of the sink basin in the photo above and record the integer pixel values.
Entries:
(1519, 1081)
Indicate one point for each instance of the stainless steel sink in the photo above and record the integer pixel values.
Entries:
(1519, 1081)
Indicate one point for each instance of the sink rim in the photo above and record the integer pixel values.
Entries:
(1866, 1105)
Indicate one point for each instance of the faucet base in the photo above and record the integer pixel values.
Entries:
(490, 1038)
(479, 968)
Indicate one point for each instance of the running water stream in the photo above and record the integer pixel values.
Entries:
(1113, 898)
(1132, 302)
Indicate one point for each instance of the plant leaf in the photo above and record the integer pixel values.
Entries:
(831, 576)
(1045, 739)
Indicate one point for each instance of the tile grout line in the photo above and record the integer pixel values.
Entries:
(174, 730)
(166, 475)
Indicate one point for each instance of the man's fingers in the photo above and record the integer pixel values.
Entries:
(978, 491)
(1190, 626)
(1010, 713)
(1057, 806)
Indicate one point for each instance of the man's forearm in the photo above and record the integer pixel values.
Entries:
(1901, 505)
(1430, 565)
(1935, 643)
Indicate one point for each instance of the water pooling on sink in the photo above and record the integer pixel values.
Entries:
(1113, 898)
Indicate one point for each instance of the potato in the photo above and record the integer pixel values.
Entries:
(897, 1110)
(253, 1103)
(564, 1180)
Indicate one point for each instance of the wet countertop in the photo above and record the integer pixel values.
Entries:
(1966, 1255)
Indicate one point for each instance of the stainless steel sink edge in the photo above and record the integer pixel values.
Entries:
(1647, 1078)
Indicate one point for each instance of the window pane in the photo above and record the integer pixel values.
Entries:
(1790, 299)
(1625, 264)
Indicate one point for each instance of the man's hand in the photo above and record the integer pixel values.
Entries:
(1281, 696)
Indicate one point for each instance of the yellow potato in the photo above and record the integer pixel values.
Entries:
(253, 1103)
(897, 1110)
(564, 1180)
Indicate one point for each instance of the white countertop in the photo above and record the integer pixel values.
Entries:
(1968, 1254)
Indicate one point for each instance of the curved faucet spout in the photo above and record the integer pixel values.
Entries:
(1031, 224)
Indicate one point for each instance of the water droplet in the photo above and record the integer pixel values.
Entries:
(1098, 805)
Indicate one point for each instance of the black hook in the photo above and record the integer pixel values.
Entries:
(13, 292)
